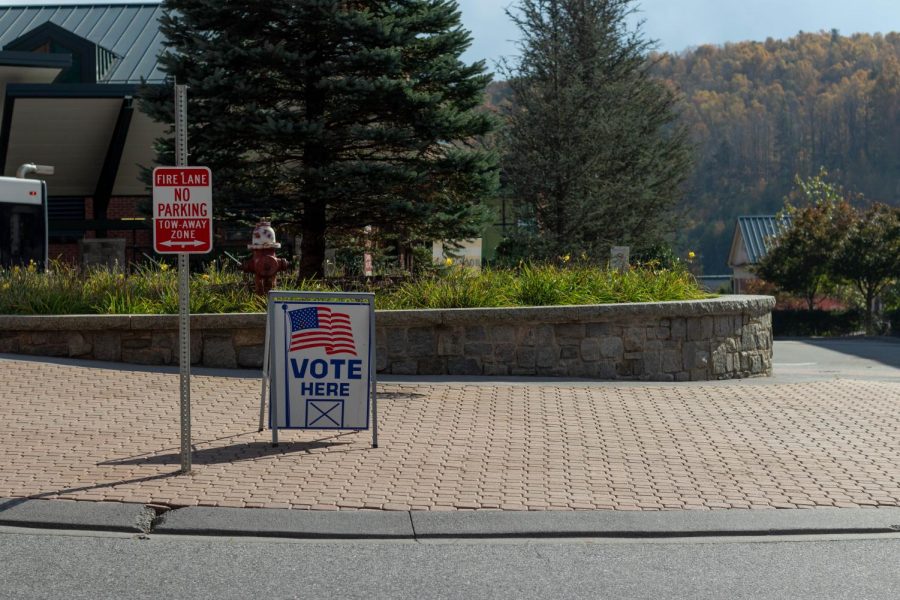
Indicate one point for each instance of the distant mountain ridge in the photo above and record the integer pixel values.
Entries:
(762, 112)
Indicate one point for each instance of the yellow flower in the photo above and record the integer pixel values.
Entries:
(204, 277)
(691, 255)
(163, 267)
(120, 276)
(566, 258)
(448, 261)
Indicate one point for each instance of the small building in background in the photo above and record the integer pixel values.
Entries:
(466, 252)
(753, 238)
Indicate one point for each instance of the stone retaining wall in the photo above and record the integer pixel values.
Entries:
(727, 337)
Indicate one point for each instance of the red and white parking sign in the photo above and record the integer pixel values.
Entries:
(182, 210)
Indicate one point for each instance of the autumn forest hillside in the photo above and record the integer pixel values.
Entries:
(761, 113)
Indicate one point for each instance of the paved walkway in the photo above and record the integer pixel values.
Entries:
(90, 433)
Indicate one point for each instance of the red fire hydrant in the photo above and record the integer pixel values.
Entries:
(264, 265)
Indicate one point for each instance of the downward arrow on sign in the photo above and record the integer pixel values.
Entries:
(174, 243)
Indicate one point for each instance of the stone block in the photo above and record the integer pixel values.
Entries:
(449, 342)
(590, 350)
(148, 356)
(682, 376)
(476, 333)
(9, 342)
(218, 352)
(634, 339)
(107, 346)
(137, 343)
(479, 349)
(652, 364)
(526, 357)
(249, 337)
(541, 335)
(720, 360)
(463, 366)
(611, 347)
(678, 330)
(196, 348)
(670, 361)
(570, 332)
(431, 366)
(748, 337)
(168, 340)
(381, 360)
(495, 369)
(421, 341)
(595, 330)
(502, 333)
(78, 345)
(701, 360)
(756, 364)
(723, 325)
(504, 352)
(250, 357)
(404, 367)
(699, 375)
(568, 352)
(547, 356)
(699, 328)
(396, 341)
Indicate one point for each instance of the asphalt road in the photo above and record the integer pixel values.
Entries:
(848, 358)
(40, 564)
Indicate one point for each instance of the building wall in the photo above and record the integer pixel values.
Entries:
(137, 242)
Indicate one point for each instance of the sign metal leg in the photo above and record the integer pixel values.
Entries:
(265, 380)
(184, 358)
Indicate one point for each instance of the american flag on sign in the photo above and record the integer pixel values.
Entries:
(319, 327)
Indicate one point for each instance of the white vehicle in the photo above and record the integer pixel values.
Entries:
(23, 222)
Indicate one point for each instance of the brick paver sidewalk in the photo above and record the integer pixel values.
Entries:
(99, 434)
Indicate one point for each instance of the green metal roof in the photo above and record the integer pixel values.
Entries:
(127, 35)
(759, 232)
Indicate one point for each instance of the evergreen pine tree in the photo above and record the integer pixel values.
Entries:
(331, 115)
(594, 153)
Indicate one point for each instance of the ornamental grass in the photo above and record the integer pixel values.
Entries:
(152, 289)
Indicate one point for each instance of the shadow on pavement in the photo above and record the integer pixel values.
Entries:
(884, 350)
(227, 454)
(132, 368)
(110, 484)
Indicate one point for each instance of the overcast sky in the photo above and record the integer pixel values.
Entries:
(678, 24)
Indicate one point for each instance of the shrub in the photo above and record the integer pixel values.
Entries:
(153, 289)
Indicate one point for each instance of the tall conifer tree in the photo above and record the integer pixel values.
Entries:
(594, 153)
(331, 115)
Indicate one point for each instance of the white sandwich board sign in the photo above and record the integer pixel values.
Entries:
(321, 365)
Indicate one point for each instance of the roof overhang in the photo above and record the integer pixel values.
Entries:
(72, 127)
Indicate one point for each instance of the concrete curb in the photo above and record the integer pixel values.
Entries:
(62, 514)
(274, 522)
(422, 525)
(665, 524)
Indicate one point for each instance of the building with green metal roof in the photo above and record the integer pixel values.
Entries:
(68, 77)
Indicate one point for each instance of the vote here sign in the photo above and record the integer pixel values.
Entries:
(322, 361)
(182, 210)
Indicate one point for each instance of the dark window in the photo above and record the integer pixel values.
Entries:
(61, 212)
(21, 234)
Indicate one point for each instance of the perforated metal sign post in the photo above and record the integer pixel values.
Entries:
(182, 225)
(322, 362)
